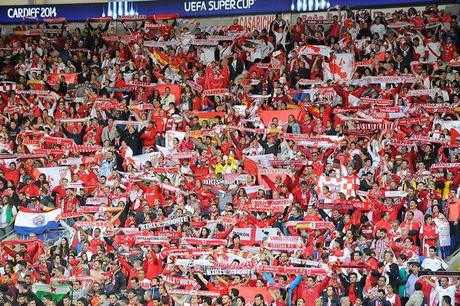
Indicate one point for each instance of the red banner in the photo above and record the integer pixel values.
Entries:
(282, 115)
(203, 241)
(70, 78)
(101, 19)
(274, 206)
(132, 18)
(216, 92)
(311, 225)
(207, 115)
(54, 20)
(249, 293)
(292, 270)
(164, 16)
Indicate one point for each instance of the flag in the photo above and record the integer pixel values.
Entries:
(56, 292)
(160, 57)
(346, 185)
(70, 78)
(314, 50)
(250, 166)
(28, 221)
(340, 66)
(169, 138)
(380, 56)
(267, 115)
(210, 117)
(454, 136)
(262, 160)
(250, 236)
(36, 84)
(249, 293)
(54, 174)
(271, 174)
(139, 160)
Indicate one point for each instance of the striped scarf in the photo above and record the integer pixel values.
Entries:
(375, 126)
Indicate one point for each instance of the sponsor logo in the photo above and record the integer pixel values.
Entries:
(39, 220)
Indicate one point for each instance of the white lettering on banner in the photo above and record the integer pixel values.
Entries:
(32, 12)
(217, 5)
(259, 22)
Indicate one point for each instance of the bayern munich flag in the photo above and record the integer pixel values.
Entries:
(29, 221)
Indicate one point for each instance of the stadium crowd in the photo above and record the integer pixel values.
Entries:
(313, 163)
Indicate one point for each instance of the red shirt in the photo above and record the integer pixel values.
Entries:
(222, 289)
(31, 190)
(311, 294)
(351, 293)
(382, 224)
(448, 51)
(94, 243)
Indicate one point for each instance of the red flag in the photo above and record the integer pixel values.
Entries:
(69, 78)
(250, 166)
(282, 115)
(340, 66)
(454, 136)
(380, 56)
(249, 293)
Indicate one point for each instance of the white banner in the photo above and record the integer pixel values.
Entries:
(263, 160)
(55, 174)
(254, 235)
(340, 67)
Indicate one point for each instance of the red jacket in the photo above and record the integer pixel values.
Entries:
(312, 294)
(30, 190)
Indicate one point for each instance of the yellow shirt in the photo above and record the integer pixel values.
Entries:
(445, 190)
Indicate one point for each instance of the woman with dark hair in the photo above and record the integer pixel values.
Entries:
(329, 297)
(204, 233)
(292, 125)
(236, 242)
(64, 247)
(187, 99)
(240, 301)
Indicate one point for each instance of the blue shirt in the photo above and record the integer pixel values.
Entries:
(411, 280)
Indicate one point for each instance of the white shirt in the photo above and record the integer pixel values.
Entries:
(3, 223)
(225, 51)
(166, 100)
(420, 50)
(379, 29)
(450, 291)
(433, 264)
(434, 51)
